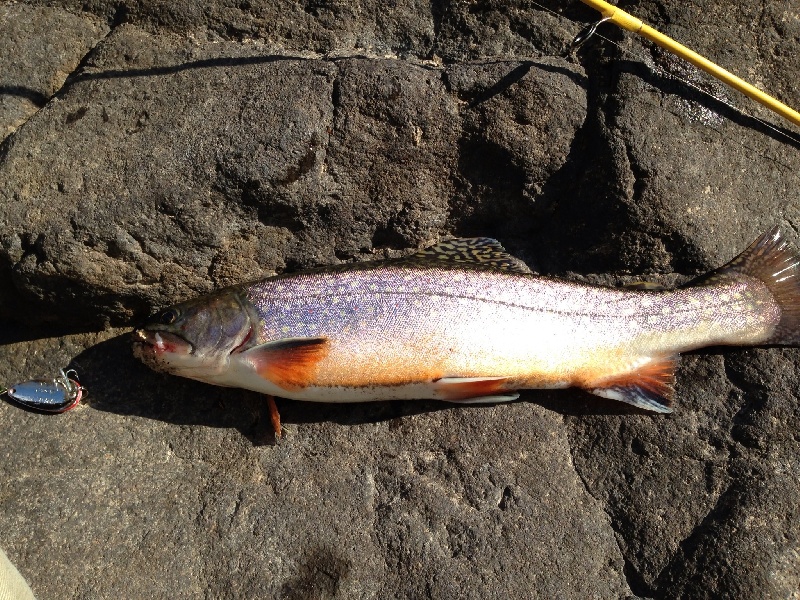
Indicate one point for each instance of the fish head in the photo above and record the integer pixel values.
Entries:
(196, 338)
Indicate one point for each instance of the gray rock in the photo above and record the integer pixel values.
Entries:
(205, 144)
(168, 497)
(217, 163)
(405, 28)
(39, 48)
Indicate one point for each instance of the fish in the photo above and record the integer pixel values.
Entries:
(464, 321)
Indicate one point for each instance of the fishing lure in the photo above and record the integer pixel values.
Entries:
(58, 395)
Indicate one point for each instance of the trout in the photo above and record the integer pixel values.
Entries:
(463, 321)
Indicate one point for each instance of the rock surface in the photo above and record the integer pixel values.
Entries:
(39, 47)
(161, 150)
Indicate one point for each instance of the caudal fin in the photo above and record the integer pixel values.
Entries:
(776, 263)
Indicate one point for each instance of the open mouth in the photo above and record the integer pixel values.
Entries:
(152, 344)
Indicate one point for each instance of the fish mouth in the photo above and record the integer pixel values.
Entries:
(150, 346)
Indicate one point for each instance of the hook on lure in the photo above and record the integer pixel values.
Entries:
(58, 395)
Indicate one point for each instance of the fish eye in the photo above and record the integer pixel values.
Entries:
(168, 317)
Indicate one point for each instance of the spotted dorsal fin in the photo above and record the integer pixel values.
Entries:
(479, 252)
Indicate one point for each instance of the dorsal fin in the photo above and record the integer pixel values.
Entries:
(479, 252)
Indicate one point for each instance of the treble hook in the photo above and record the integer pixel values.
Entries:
(585, 33)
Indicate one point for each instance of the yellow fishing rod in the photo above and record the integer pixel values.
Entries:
(631, 23)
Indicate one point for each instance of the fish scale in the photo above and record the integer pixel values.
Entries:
(366, 302)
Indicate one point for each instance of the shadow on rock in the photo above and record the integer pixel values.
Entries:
(682, 87)
(577, 403)
(13, 333)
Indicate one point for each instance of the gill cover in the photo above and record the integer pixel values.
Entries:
(199, 333)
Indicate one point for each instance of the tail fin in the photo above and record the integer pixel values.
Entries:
(776, 263)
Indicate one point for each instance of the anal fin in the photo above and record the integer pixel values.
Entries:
(289, 363)
(650, 387)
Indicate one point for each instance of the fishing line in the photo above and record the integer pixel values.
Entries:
(590, 31)
(644, 60)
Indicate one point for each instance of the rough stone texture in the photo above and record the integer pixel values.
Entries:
(169, 497)
(39, 48)
(227, 165)
(204, 144)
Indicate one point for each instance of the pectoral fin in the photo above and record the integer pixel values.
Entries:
(474, 390)
(290, 363)
(274, 416)
(649, 387)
